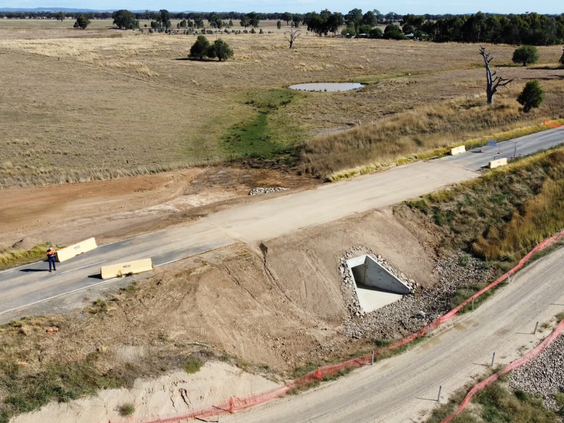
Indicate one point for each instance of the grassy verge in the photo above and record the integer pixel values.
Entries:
(15, 257)
(501, 216)
(437, 152)
(465, 292)
(496, 404)
(27, 384)
(25, 391)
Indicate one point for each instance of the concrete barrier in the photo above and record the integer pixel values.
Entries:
(458, 150)
(76, 249)
(497, 163)
(124, 269)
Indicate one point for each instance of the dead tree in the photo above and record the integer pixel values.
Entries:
(493, 80)
(292, 35)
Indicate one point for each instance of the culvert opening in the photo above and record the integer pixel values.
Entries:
(375, 286)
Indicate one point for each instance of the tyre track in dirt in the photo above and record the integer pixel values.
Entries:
(404, 388)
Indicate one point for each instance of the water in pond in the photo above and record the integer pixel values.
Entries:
(327, 86)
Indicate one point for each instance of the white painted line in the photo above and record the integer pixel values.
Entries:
(57, 296)
(80, 268)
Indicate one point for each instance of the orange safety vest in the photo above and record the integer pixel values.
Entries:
(51, 253)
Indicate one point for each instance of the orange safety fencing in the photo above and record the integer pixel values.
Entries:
(552, 124)
(237, 404)
(512, 366)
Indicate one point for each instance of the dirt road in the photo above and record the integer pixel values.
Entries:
(254, 222)
(405, 388)
(251, 223)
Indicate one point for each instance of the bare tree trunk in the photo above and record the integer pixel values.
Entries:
(294, 33)
(492, 80)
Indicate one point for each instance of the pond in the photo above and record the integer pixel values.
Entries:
(327, 86)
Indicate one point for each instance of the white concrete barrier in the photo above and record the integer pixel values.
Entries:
(458, 150)
(497, 163)
(76, 249)
(124, 269)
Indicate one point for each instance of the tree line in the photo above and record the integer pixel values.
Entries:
(530, 28)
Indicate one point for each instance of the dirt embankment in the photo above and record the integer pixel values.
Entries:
(267, 310)
(284, 311)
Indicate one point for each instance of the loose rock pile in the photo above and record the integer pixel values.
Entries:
(259, 191)
(414, 311)
(544, 375)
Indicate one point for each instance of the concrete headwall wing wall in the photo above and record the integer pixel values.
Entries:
(76, 249)
(123, 269)
(458, 150)
(358, 269)
(497, 163)
(368, 272)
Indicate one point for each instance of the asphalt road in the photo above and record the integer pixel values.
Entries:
(29, 285)
(406, 387)
(523, 146)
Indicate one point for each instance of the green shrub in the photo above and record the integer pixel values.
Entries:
(126, 409)
(193, 366)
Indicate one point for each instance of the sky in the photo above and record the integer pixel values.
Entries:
(302, 6)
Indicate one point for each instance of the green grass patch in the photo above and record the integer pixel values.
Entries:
(251, 139)
(269, 133)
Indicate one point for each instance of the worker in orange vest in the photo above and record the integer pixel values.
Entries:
(51, 256)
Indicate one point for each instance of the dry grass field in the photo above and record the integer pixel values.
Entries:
(102, 103)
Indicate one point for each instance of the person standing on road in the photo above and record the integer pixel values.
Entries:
(51, 256)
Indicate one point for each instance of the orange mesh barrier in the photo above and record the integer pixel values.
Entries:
(519, 362)
(552, 124)
(237, 404)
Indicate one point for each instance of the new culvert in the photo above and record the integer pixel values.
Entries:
(375, 286)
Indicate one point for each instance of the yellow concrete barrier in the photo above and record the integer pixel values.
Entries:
(76, 249)
(497, 163)
(124, 269)
(458, 150)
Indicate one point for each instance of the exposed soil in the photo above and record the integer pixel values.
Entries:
(169, 395)
(114, 209)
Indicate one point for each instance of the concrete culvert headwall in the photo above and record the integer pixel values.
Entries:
(375, 286)
(367, 271)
